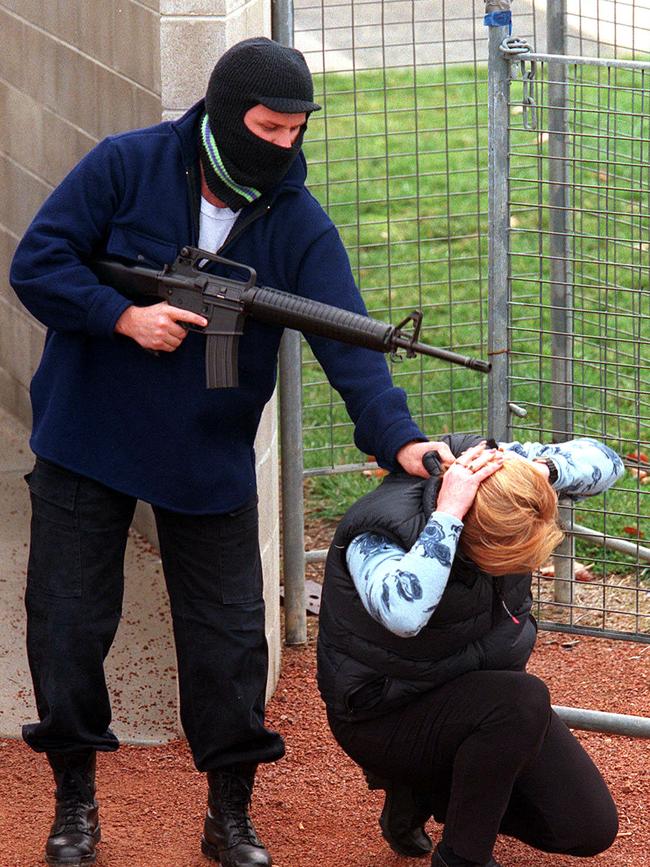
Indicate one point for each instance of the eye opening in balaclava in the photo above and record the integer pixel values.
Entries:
(238, 165)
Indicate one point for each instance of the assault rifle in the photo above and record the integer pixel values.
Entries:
(226, 302)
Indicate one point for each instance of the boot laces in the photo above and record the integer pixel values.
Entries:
(234, 801)
(72, 802)
(71, 818)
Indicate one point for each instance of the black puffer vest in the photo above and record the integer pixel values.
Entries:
(481, 622)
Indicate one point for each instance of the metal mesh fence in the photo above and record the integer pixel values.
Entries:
(399, 160)
(607, 28)
(593, 314)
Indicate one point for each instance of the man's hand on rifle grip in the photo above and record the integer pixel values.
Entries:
(409, 457)
(158, 327)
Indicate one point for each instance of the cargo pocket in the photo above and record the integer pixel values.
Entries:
(54, 565)
(240, 566)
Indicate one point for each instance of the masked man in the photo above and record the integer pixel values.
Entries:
(113, 424)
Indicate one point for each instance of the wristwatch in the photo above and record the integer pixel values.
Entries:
(552, 469)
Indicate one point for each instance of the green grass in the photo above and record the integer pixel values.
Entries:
(400, 163)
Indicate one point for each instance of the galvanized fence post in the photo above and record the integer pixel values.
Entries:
(498, 220)
(560, 271)
(293, 508)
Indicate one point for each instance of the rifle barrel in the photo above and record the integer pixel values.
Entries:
(314, 317)
(445, 354)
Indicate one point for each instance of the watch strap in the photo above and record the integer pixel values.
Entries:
(553, 474)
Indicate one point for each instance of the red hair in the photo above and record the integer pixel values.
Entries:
(512, 525)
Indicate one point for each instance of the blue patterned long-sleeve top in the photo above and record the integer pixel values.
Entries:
(401, 589)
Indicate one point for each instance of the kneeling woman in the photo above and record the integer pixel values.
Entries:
(425, 631)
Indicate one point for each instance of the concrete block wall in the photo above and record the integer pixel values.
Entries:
(72, 72)
(193, 33)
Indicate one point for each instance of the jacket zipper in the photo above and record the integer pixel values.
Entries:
(241, 225)
(237, 229)
(195, 203)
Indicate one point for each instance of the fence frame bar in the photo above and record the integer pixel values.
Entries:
(292, 462)
(600, 721)
(575, 60)
(560, 272)
(498, 233)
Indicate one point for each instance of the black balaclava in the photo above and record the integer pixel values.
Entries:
(239, 166)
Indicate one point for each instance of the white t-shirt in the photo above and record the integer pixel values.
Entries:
(214, 226)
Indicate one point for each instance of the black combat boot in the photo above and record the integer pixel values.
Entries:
(402, 818)
(75, 831)
(228, 832)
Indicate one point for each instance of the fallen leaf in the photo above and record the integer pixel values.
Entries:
(634, 531)
(584, 575)
(580, 571)
(376, 472)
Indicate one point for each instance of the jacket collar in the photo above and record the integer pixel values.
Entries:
(187, 130)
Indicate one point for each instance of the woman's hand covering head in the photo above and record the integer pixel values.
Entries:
(463, 478)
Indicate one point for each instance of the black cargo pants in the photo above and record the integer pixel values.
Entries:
(74, 594)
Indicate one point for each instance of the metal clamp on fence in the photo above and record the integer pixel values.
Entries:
(529, 118)
(514, 46)
(519, 411)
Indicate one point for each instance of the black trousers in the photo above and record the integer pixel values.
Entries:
(74, 600)
(489, 756)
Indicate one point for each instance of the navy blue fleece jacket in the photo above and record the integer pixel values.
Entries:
(147, 425)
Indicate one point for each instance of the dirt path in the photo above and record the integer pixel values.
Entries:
(312, 808)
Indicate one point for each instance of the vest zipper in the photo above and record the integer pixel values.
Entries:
(500, 597)
(509, 612)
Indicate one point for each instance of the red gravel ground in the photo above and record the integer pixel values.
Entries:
(312, 809)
